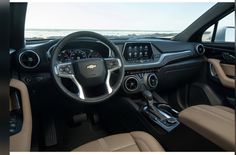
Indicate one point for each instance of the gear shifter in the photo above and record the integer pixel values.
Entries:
(157, 115)
(148, 96)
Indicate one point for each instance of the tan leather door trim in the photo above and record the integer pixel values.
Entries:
(228, 69)
(22, 140)
(224, 79)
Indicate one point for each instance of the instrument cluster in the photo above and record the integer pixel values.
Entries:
(77, 54)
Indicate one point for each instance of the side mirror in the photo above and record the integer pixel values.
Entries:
(230, 34)
(225, 34)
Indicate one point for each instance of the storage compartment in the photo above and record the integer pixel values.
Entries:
(177, 74)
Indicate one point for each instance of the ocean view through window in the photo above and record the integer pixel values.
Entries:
(157, 20)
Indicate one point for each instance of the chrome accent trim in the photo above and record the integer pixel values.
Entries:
(196, 48)
(148, 80)
(11, 51)
(163, 113)
(108, 86)
(212, 70)
(27, 66)
(161, 59)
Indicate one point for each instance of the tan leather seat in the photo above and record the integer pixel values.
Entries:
(215, 123)
(136, 141)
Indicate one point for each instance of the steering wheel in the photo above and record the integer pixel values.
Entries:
(88, 73)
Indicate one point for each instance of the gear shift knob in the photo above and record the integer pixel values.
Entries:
(148, 96)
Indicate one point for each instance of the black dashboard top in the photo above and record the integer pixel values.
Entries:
(137, 54)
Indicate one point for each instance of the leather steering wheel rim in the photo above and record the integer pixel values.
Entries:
(118, 57)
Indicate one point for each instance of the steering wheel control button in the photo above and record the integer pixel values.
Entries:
(64, 70)
(112, 63)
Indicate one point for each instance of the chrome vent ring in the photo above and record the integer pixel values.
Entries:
(200, 49)
(29, 59)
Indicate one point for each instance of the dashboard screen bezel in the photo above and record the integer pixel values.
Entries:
(138, 59)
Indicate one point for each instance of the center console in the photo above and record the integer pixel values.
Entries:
(144, 81)
(160, 113)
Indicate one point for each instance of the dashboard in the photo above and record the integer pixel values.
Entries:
(151, 64)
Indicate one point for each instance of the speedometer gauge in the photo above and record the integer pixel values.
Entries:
(79, 54)
(94, 54)
(71, 55)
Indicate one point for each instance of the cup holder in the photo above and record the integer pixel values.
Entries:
(168, 110)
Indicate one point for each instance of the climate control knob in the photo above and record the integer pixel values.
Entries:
(152, 80)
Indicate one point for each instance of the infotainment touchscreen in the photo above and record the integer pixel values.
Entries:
(136, 52)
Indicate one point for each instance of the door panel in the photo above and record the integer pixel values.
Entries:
(21, 141)
(229, 70)
(220, 71)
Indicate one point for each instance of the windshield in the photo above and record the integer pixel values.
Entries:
(114, 20)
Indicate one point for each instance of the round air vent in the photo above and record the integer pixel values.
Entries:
(152, 80)
(131, 83)
(29, 59)
(200, 49)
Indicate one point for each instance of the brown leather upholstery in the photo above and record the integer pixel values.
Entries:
(216, 123)
(137, 141)
(228, 69)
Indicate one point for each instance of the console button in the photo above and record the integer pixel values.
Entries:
(171, 120)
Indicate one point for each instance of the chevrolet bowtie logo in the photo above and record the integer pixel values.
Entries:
(91, 66)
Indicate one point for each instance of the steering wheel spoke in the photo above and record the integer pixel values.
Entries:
(65, 70)
(113, 64)
(80, 88)
(108, 86)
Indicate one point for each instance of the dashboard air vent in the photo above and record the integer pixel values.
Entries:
(200, 49)
(29, 59)
(131, 84)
